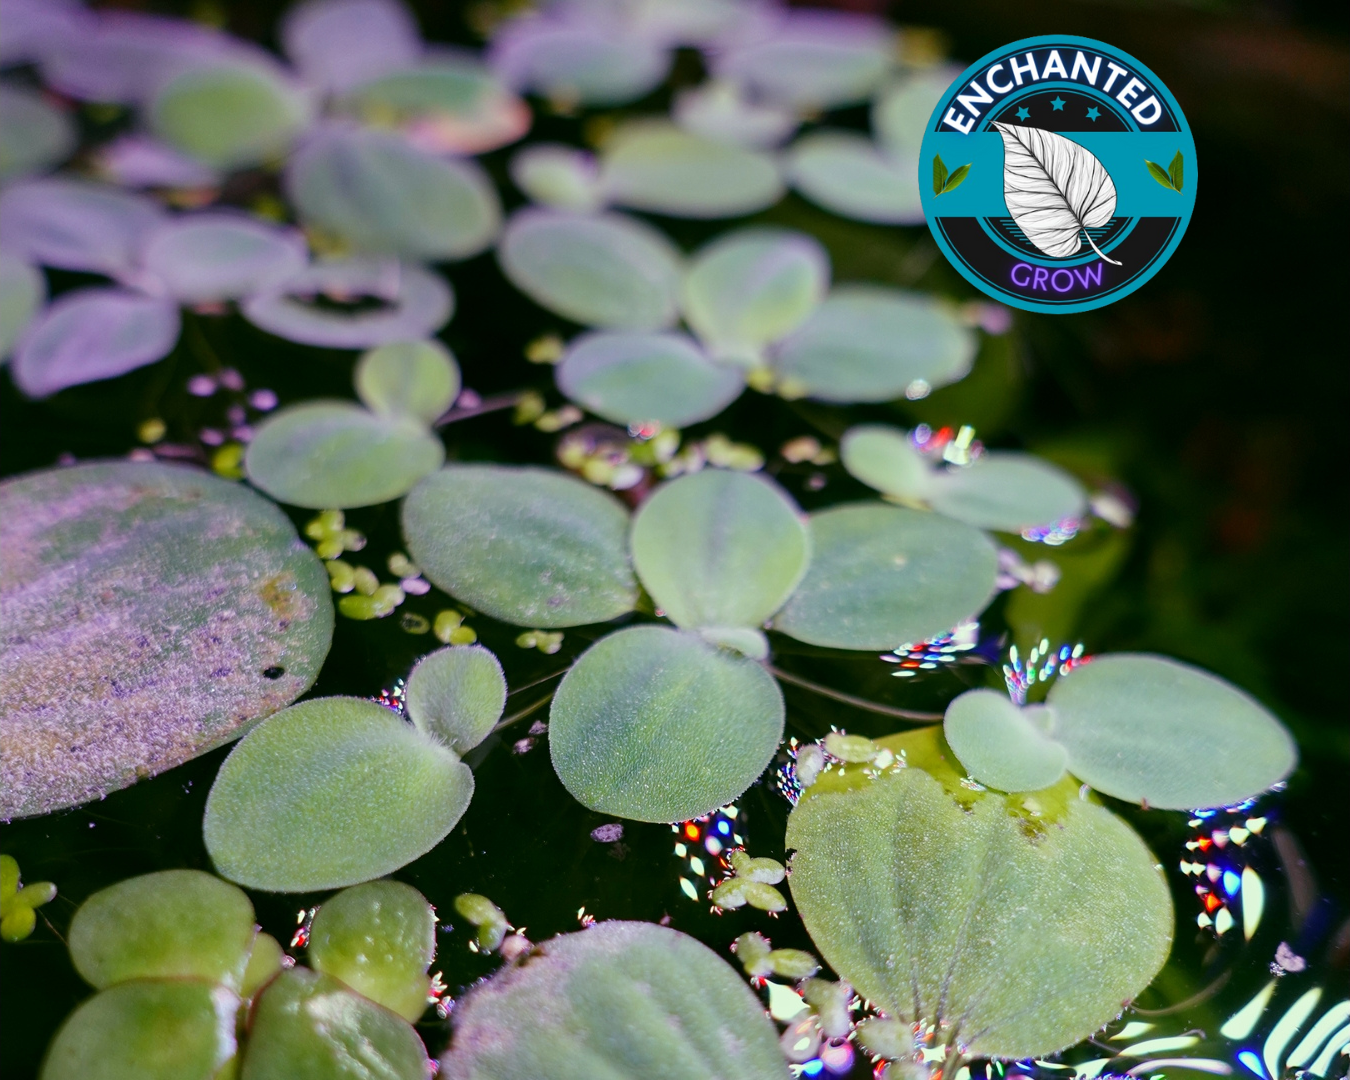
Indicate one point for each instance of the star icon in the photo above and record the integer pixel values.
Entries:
(1093, 113)
(1057, 104)
(1022, 113)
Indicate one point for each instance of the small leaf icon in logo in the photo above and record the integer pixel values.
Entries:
(1170, 177)
(943, 181)
(1055, 189)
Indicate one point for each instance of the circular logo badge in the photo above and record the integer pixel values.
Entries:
(1058, 174)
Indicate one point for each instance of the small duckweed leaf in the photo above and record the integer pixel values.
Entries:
(308, 1026)
(754, 285)
(76, 225)
(456, 695)
(170, 924)
(229, 115)
(900, 113)
(870, 343)
(1007, 491)
(34, 134)
(410, 303)
(23, 289)
(328, 793)
(1075, 908)
(335, 453)
(656, 724)
(171, 607)
(588, 62)
(418, 380)
(719, 548)
(222, 256)
(379, 938)
(1001, 745)
(846, 174)
(339, 44)
(882, 575)
(558, 176)
(622, 999)
(380, 194)
(151, 1029)
(656, 166)
(137, 160)
(533, 547)
(636, 378)
(609, 270)
(883, 458)
(1146, 728)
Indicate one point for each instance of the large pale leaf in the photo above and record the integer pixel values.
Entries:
(379, 938)
(1149, 729)
(229, 116)
(151, 1029)
(417, 380)
(847, 174)
(1055, 189)
(636, 378)
(721, 110)
(170, 924)
(34, 134)
(376, 192)
(1008, 491)
(534, 547)
(456, 695)
(901, 113)
(656, 166)
(657, 724)
(331, 792)
(22, 292)
(338, 44)
(754, 285)
(869, 343)
(882, 457)
(221, 256)
(881, 576)
(172, 608)
(336, 454)
(1026, 926)
(1003, 746)
(720, 549)
(309, 1026)
(76, 225)
(608, 270)
(623, 1000)
(410, 303)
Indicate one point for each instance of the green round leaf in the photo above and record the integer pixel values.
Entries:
(22, 292)
(900, 114)
(34, 134)
(1007, 491)
(336, 454)
(622, 999)
(870, 343)
(720, 549)
(414, 379)
(847, 174)
(456, 695)
(378, 193)
(636, 378)
(608, 270)
(884, 458)
(229, 115)
(309, 1026)
(656, 724)
(1001, 745)
(1149, 729)
(379, 938)
(171, 608)
(153, 1029)
(1029, 932)
(881, 576)
(210, 257)
(534, 547)
(328, 793)
(653, 165)
(558, 175)
(171, 924)
(720, 109)
(754, 285)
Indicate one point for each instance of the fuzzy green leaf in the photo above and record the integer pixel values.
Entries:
(883, 458)
(418, 380)
(456, 695)
(1003, 746)
(1007, 491)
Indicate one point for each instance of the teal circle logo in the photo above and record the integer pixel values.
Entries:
(1058, 174)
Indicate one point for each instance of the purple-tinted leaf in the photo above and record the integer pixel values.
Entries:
(93, 334)
(76, 225)
(32, 26)
(142, 161)
(34, 133)
(222, 256)
(388, 301)
(338, 44)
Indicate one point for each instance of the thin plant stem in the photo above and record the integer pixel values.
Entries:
(494, 403)
(856, 702)
(527, 711)
(541, 679)
(1195, 999)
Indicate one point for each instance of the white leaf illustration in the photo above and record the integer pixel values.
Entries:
(1055, 189)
